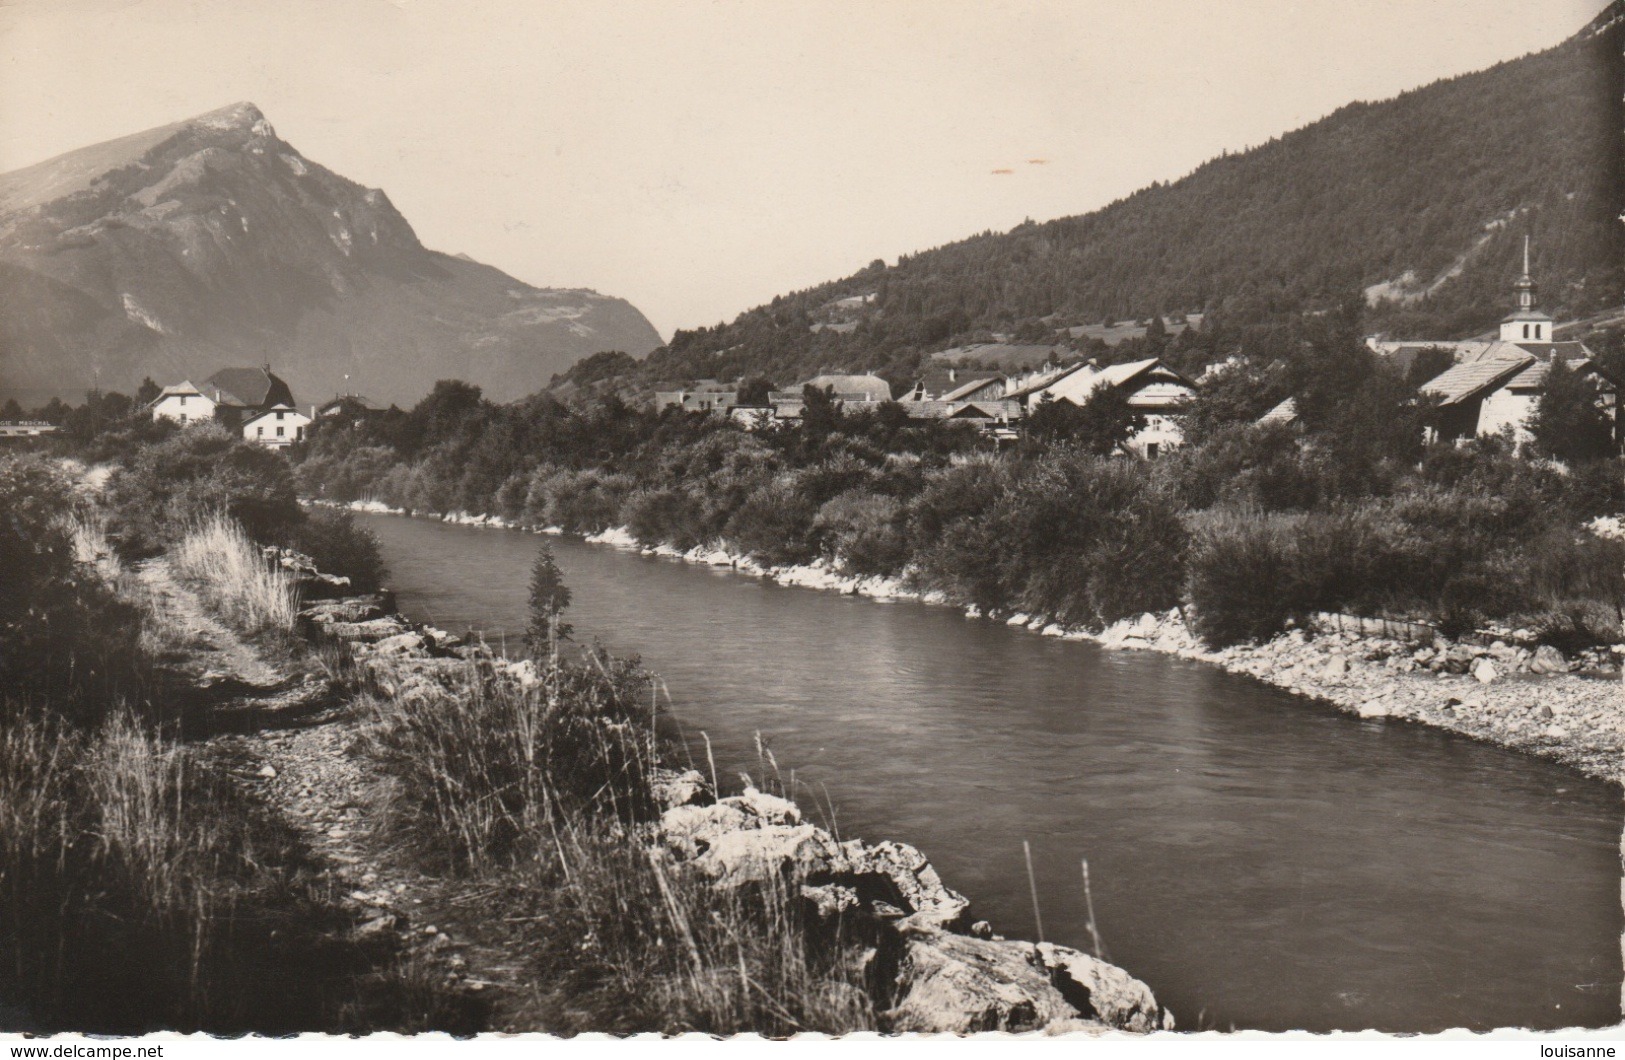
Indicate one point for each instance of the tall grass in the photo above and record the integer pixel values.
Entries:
(231, 572)
(543, 792)
(141, 889)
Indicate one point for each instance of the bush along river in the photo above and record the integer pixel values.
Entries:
(1259, 860)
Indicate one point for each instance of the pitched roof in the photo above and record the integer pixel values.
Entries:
(971, 386)
(939, 383)
(183, 387)
(284, 409)
(249, 387)
(1463, 382)
(872, 387)
(1048, 379)
(1285, 412)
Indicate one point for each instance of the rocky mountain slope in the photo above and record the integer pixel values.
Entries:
(1419, 204)
(213, 242)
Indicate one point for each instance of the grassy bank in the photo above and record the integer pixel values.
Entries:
(143, 882)
(543, 799)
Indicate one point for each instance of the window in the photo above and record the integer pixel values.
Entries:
(279, 415)
(183, 399)
(259, 432)
(279, 432)
(1526, 331)
(1151, 449)
(183, 417)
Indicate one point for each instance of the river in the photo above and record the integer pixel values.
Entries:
(1260, 861)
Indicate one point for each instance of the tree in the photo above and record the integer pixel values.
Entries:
(549, 597)
(1428, 365)
(1156, 333)
(755, 390)
(1568, 423)
(147, 392)
(1100, 425)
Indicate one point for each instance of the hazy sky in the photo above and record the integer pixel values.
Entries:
(700, 157)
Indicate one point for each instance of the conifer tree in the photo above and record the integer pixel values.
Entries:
(549, 597)
(1568, 424)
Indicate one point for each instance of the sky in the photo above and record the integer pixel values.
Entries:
(698, 157)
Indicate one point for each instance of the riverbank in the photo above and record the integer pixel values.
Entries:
(924, 963)
(1504, 692)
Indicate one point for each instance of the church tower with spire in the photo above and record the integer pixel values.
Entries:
(1526, 324)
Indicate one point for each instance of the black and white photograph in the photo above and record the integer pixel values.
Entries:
(883, 521)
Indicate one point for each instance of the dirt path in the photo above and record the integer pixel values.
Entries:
(287, 733)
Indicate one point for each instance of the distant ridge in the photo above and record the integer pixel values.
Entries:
(212, 242)
(1417, 204)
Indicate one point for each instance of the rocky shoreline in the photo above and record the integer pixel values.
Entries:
(1505, 691)
(938, 970)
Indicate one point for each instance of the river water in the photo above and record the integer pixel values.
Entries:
(1260, 861)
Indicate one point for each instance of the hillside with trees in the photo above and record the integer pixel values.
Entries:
(1416, 205)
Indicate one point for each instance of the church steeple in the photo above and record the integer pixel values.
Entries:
(1526, 324)
(1525, 287)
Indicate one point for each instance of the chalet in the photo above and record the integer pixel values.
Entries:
(279, 426)
(1499, 393)
(1154, 390)
(1495, 384)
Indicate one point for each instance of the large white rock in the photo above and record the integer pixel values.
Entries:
(1104, 991)
(1485, 671)
(1548, 660)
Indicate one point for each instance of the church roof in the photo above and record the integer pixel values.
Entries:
(1463, 382)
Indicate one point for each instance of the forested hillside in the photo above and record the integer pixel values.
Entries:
(1417, 204)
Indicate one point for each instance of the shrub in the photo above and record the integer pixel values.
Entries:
(65, 638)
(863, 531)
(339, 546)
(202, 471)
(670, 516)
(1241, 577)
(774, 525)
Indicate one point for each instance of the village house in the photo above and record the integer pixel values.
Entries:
(850, 393)
(276, 427)
(1154, 390)
(184, 403)
(352, 408)
(235, 398)
(707, 395)
(956, 384)
(1495, 385)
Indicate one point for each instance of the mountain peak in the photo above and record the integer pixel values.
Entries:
(211, 241)
(243, 116)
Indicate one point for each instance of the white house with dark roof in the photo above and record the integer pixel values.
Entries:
(233, 397)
